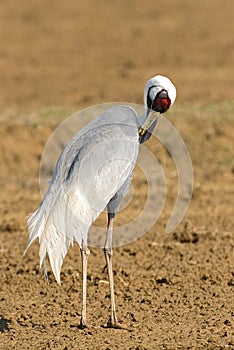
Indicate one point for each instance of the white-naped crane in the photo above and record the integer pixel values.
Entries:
(94, 172)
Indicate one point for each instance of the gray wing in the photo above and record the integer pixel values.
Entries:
(100, 158)
(92, 168)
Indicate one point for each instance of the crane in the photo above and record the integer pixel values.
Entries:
(94, 172)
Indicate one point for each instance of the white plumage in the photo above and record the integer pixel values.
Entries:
(94, 171)
(86, 177)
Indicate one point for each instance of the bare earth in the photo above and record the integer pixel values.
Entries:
(173, 291)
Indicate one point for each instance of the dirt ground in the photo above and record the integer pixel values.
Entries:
(173, 291)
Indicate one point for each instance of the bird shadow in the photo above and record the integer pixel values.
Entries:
(4, 322)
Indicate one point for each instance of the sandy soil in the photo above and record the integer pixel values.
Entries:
(173, 291)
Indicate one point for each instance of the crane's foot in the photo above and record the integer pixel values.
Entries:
(113, 323)
(83, 324)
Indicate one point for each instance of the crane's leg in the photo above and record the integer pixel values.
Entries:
(113, 322)
(45, 271)
(84, 256)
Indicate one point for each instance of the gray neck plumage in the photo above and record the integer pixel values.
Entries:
(145, 135)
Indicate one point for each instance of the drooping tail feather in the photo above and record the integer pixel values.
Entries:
(60, 218)
(52, 242)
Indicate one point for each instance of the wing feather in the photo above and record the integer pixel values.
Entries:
(91, 169)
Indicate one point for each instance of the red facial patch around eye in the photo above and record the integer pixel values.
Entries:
(161, 105)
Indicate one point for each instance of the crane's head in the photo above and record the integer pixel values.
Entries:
(159, 96)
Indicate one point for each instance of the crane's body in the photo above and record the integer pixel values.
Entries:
(85, 182)
(94, 172)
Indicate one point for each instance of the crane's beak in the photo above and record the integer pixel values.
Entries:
(151, 117)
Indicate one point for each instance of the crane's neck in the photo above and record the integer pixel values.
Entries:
(142, 118)
(147, 123)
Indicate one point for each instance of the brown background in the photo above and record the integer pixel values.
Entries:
(173, 291)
